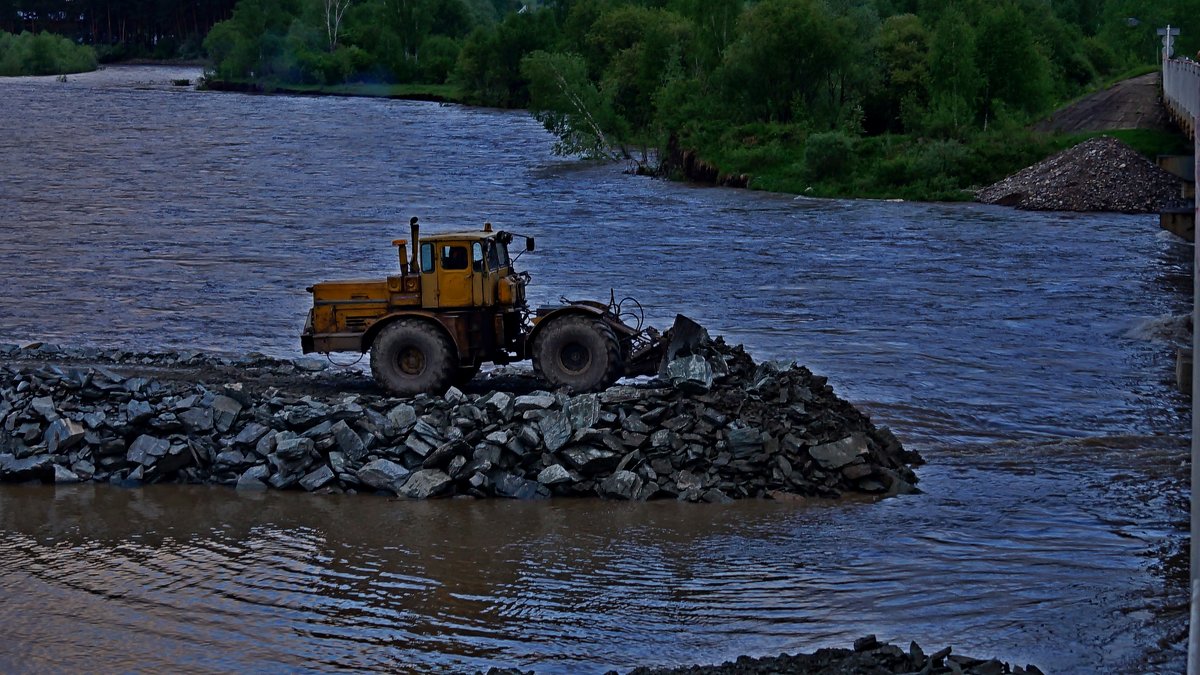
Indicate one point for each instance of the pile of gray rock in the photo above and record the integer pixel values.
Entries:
(1100, 174)
(868, 657)
(253, 362)
(714, 426)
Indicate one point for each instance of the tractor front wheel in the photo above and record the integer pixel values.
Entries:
(411, 357)
(577, 352)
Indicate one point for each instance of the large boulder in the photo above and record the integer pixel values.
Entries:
(424, 484)
(382, 474)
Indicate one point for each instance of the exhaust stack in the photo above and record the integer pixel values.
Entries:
(416, 243)
(402, 250)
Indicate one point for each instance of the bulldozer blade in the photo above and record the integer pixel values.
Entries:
(684, 335)
(653, 357)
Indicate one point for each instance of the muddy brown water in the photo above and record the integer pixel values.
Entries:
(1027, 356)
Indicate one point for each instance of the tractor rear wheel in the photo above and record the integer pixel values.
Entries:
(410, 356)
(579, 353)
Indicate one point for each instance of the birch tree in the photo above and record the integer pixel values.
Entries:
(570, 106)
(334, 11)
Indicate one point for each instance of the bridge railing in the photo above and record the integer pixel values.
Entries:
(1181, 92)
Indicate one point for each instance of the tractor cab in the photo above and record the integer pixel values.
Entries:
(464, 269)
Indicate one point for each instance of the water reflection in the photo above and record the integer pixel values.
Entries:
(990, 556)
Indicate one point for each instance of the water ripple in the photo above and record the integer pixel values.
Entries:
(1028, 356)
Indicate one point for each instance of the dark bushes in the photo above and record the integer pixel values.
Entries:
(43, 54)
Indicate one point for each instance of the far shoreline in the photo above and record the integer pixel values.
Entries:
(686, 166)
(435, 93)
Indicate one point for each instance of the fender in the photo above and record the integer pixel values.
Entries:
(438, 320)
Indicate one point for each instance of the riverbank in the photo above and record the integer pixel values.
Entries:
(779, 158)
(714, 426)
(440, 93)
(789, 159)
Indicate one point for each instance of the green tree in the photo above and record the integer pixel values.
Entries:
(252, 42)
(953, 77)
(783, 54)
(43, 54)
(489, 65)
(307, 56)
(903, 53)
(566, 101)
(715, 24)
(1127, 28)
(1084, 14)
(40, 57)
(575, 19)
(1063, 44)
(638, 46)
(398, 36)
(439, 55)
(1014, 70)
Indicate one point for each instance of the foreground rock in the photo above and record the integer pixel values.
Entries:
(1100, 174)
(715, 426)
(869, 657)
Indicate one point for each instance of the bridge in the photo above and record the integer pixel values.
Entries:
(1181, 97)
(1181, 100)
(1181, 92)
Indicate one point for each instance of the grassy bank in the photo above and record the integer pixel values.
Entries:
(1149, 142)
(784, 158)
(43, 54)
(418, 92)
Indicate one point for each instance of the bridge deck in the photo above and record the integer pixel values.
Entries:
(1181, 92)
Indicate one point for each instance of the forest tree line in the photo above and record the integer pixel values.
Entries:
(886, 97)
(889, 97)
(121, 28)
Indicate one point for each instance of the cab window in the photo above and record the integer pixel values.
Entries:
(426, 257)
(502, 255)
(493, 256)
(454, 257)
(477, 257)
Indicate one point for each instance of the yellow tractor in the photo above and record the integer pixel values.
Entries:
(459, 303)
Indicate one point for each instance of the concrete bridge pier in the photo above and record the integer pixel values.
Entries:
(1182, 221)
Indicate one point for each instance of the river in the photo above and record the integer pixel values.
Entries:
(1028, 356)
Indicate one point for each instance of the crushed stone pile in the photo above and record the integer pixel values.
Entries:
(1100, 174)
(713, 426)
